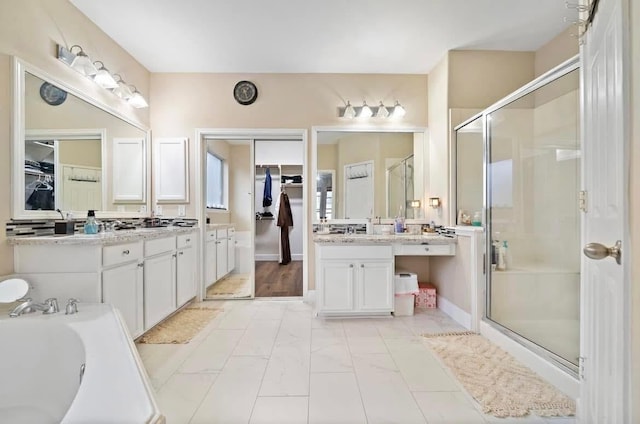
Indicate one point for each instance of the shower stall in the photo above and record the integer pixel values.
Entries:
(519, 163)
(400, 189)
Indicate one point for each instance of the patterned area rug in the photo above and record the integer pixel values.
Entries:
(232, 286)
(502, 386)
(181, 327)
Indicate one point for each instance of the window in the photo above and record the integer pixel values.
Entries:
(215, 182)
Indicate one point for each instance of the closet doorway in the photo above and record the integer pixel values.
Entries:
(242, 201)
(279, 230)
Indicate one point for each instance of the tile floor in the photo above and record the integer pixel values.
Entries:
(273, 362)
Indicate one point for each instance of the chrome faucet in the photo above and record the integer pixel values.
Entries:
(49, 306)
(72, 307)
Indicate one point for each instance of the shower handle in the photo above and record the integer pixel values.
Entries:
(600, 251)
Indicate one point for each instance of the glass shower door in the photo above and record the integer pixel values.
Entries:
(533, 183)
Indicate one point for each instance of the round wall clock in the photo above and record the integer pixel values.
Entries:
(245, 92)
(52, 95)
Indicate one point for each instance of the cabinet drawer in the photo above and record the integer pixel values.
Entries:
(121, 253)
(154, 247)
(186, 240)
(220, 234)
(426, 249)
(356, 252)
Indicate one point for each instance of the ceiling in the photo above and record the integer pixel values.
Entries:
(326, 36)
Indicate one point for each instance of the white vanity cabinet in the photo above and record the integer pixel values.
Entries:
(354, 280)
(122, 284)
(159, 280)
(185, 269)
(219, 256)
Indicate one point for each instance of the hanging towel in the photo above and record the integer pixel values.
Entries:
(266, 196)
(285, 220)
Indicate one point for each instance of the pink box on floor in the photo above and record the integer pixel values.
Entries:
(426, 297)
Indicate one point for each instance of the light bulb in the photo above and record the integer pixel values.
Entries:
(103, 78)
(137, 100)
(82, 63)
(366, 111)
(398, 110)
(349, 111)
(382, 111)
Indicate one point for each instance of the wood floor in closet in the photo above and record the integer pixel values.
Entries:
(275, 280)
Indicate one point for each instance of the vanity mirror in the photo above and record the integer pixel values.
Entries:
(72, 153)
(369, 173)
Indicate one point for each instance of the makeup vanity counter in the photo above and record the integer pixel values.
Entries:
(147, 273)
(355, 272)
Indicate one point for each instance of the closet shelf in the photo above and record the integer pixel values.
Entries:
(266, 218)
(293, 184)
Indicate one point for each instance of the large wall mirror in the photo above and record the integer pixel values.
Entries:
(369, 173)
(72, 154)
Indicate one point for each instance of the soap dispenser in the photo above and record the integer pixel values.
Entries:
(91, 226)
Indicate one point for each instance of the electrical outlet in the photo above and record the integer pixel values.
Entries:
(143, 209)
(182, 210)
(158, 210)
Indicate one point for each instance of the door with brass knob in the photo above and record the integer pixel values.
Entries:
(600, 251)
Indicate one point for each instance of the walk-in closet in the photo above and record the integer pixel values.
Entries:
(279, 229)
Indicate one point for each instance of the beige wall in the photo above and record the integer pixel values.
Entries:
(479, 78)
(81, 153)
(31, 29)
(438, 185)
(559, 49)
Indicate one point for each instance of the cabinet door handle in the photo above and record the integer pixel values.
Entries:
(141, 264)
(350, 265)
(125, 252)
(361, 265)
(175, 255)
(181, 253)
(188, 240)
(426, 249)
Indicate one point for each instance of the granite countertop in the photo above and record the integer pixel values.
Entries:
(211, 227)
(385, 238)
(104, 238)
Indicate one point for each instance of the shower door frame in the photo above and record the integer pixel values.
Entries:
(550, 76)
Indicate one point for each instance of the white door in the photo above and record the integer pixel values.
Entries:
(358, 190)
(605, 329)
(375, 286)
(159, 289)
(122, 287)
(185, 276)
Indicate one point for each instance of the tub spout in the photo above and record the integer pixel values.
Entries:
(50, 306)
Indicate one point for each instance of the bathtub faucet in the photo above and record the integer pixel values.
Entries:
(49, 306)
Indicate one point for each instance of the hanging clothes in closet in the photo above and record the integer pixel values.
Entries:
(285, 220)
(266, 195)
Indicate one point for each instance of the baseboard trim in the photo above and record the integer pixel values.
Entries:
(461, 317)
(554, 375)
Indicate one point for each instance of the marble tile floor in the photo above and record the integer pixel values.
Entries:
(273, 362)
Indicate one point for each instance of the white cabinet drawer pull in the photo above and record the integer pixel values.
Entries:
(125, 252)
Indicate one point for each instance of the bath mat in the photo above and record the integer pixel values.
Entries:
(181, 327)
(234, 286)
(502, 386)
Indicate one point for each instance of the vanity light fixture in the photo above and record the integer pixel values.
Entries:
(81, 62)
(415, 203)
(103, 78)
(382, 112)
(122, 90)
(137, 100)
(398, 110)
(349, 111)
(434, 202)
(365, 111)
